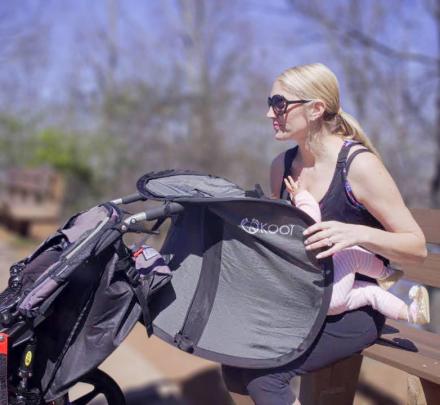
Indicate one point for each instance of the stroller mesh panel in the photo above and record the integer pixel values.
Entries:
(250, 282)
(271, 295)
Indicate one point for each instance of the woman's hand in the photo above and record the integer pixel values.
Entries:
(332, 234)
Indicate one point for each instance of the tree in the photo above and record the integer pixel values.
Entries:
(384, 77)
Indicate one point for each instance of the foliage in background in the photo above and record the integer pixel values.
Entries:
(69, 154)
(108, 91)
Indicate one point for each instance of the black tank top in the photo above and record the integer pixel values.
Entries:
(338, 203)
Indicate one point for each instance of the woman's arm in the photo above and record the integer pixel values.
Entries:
(402, 241)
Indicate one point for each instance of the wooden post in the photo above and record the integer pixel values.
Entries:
(334, 385)
(422, 392)
(431, 391)
(414, 391)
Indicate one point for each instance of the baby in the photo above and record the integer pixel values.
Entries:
(348, 293)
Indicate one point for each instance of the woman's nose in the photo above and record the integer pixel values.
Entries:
(270, 113)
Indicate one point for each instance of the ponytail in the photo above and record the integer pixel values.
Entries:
(349, 128)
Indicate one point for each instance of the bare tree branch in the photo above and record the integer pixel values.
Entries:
(311, 10)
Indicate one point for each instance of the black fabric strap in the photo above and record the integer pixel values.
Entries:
(288, 160)
(141, 291)
(158, 223)
(141, 288)
(353, 155)
(201, 305)
(343, 153)
(347, 162)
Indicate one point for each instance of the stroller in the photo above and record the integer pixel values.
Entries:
(232, 283)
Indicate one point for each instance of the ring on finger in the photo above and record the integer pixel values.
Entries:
(329, 242)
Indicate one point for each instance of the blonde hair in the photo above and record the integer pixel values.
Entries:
(317, 81)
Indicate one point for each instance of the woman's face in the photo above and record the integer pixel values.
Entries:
(293, 123)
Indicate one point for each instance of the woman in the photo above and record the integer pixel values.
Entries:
(360, 205)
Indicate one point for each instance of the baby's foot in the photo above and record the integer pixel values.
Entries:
(389, 278)
(418, 310)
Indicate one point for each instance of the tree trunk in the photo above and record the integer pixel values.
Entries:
(435, 184)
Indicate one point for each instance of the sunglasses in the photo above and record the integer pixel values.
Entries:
(279, 103)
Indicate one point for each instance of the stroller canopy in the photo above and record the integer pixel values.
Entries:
(244, 291)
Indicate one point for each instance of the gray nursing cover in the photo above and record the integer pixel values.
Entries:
(244, 291)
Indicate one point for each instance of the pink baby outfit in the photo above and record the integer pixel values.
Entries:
(348, 293)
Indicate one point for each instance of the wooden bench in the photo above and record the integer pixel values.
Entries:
(31, 200)
(414, 351)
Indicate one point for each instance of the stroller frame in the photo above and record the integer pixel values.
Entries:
(231, 249)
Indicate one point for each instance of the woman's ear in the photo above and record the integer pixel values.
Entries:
(317, 109)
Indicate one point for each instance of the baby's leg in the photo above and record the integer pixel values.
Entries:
(343, 279)
(364, 293)
(361, 261)
(346, 263)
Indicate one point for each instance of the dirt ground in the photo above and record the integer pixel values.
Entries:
(153, 372)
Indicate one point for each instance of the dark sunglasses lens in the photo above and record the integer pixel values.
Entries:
(278, 103)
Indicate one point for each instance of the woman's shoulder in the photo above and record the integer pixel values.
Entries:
(364, 165)
(374, 187)
(369, 178)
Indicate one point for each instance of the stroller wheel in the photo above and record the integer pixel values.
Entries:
(102, 386)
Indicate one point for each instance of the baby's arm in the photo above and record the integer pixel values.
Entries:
(305, 202)
(302, 199)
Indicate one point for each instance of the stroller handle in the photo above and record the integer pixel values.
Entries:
(129, 199)
(164, 210)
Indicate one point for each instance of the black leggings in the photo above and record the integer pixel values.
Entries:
(341, 336)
